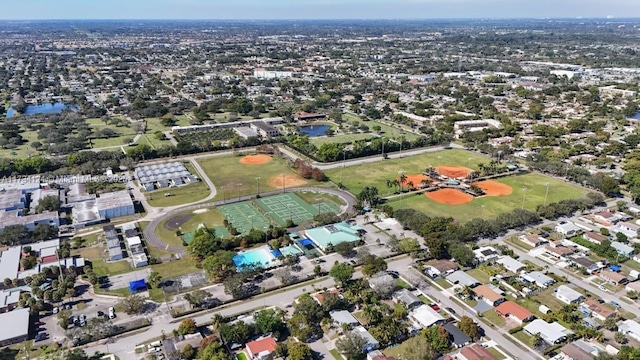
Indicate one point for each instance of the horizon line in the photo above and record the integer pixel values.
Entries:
(325, 19)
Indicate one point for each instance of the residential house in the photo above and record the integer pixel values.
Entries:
(379, 280)
(486, 254)
(441, 268)
(371, 342)
(586, 264)
(567, 295)
(567, 229)
(538, 278)
(533, 240)
(613, 278)
(629, 227)
(16, 326)
(319, 296)
(633, 286)
(407, 298)
(261, 349)
(462, 278)
(341, 317)
(511, 264)
(594, 237)
(630, 328)
(622, 249)
(551, 333)
(424, 316)
(559, 252)
(475, 352)
(458, 338)
(593, 308)
(514, 311)
(605, 218)
(573, 352)
(488, 295)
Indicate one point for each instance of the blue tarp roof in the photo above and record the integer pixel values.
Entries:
(615, 268)
(306, 242)
(137, 285)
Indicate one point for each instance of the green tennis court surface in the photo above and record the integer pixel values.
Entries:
(287, 206)
(243, 216)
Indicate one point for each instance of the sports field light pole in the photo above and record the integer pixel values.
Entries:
(251, 217)
(258, 185)
(318, 200)
(224, 194)
(469, 166)
(238, 186)
(400, 173)
(482, 206)
(344, 159)
(284, 186)
(524, 195)
(546, 194)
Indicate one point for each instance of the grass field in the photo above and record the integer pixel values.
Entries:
(178, 195)
(376, 174)
(101, 267)
(211, 217)
(175, 268)
(340, 138)
(283, 207)
(125, 133)
(233, 179)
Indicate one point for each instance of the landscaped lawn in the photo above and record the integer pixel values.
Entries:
(496, 353)
(494, 317)
(341, 138)
(241, 356)
(232, 178)
(208, 216)
(336, 354)
(479, 275)
(126, 132)
(175, 268)
(515, 241)
(178, 195)
(444, 283)
(523, 336)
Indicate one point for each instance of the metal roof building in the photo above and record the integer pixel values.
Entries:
(16, 327)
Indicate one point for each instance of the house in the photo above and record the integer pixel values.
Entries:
(515, 312)
(629, 227)
(462, 278)
(532, 240)
(319, 297)
(261, 349)
(325, 237)
(574, 352)
(633, 286)
(630, 328)
(378, 355)
(371, 342)
(613, 277)
(558, 252)
(380, 280)
(567, 295)
(16, 327)
(551, 333)
(407, 298)
(622, 249)
(458, 338)
(567, 229)
(585, 264)
(485, 254)
(488, 295)
(538, 278)
(593, 308)
(424, 316)
(441, 268)
(341, 317)
(594, 237)
(475, 352)
(511, 264)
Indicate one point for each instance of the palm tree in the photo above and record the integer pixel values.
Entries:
(410, 185)
(424, 183)
(389, 184)
(537, 341)
(402, 180)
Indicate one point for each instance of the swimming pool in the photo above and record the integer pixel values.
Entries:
(260, 257)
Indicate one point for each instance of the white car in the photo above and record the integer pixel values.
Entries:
(112, 313)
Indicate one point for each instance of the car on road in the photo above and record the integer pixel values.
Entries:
(615, 304)
(450, 310)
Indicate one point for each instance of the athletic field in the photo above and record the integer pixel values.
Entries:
(243, 216)
(287, 206)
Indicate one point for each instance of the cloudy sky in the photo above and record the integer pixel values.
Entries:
(314, 9)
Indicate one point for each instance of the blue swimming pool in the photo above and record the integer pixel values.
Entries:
(261, 257)
(314, 130)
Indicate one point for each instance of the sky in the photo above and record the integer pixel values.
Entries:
(315, 9)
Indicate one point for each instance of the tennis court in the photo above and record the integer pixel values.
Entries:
(287, 206)
(243, 215)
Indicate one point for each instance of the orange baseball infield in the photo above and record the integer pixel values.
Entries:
(257, 159)
(453, 171)
(290, 180)
(416, 179)
(494, 188)
(449, 196)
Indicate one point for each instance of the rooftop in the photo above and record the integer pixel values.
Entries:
(18, 321)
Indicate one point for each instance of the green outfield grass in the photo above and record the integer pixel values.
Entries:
(357, 177)
(178, 195)
(228, 172)
(341, 138)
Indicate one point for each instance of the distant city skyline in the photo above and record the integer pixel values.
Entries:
(316, 9)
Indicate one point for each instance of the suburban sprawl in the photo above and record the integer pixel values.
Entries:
(379, 190)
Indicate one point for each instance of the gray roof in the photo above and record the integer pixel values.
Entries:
(462, 278)
(10, 262)
(539, 278)
(621, 248)
(568, 293)
(406, 297)
(113, 252)
(510, 263)
(459, 338)
(343, 317)
(365, 334)
(159, 172)
(550, 332)
(16, 324)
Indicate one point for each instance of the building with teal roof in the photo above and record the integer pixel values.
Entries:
(334, 234)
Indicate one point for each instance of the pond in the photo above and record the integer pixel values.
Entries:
(48, 108)
(314, 130)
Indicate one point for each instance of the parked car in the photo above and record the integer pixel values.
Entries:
(55, 310)
(615, 304)
(435, 307)
(40, 336)
(100, 313)
(450, 310)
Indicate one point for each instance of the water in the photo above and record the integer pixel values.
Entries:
(314, 130)
(48, 108)
(636, 116)
(260, 257)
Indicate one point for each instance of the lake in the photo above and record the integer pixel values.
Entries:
(314, 130)
(48, 108)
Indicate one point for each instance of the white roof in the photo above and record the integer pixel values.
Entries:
(462, 278)
(630, 326)
(365, 335)
(568, 293)
(426, 316)
(134, 241)
(343, 317)
(510, 263)
(538, 278)
(568, 227)
(10, 262)
(621, 248)
(16, 324)
(550, 332)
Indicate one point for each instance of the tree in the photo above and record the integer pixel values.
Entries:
(48, 203)
(269, 321)
(154, 279)
(345, 249)
(219, 265)
(132, 304)
(341, 273)
(187, 326)
(462, 253)
(302, 328)
(384, 284)
(620, 338)
(236, 285)
(299, 351)
(469, 327)
(76, 354)
(308, 308)
(203, 244)
(418, 348)
(14, 234)
(537, 341)
(408, 246)
(188, 352)
(352, 346)
(373, 265)
(438, 338)
(197, 297)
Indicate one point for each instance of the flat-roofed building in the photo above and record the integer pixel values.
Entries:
(265, 130)
(15, 327)
(115, 204)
